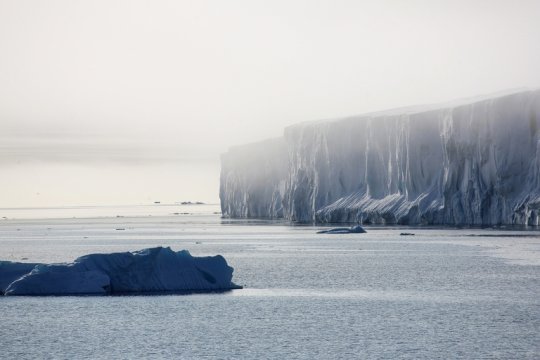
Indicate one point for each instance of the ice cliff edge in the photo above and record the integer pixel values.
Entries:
(475, 162)
(154, 270)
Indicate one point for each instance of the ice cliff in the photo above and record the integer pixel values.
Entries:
(473, 162)
(145, 271)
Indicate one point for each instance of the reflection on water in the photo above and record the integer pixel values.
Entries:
(404, 296)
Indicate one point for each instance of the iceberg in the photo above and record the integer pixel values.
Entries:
(154, 270)
(10, 271)
(343, 230)
(472, 162)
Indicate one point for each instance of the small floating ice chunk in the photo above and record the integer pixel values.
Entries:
(350, 230)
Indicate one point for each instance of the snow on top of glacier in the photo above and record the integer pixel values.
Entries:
(416, 109)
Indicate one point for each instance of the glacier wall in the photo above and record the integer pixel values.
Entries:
(253, 180)
(473, 162)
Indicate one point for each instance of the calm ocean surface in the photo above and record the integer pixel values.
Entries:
(441, 294)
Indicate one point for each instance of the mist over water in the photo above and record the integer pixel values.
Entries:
(87, 84)
(109, 183)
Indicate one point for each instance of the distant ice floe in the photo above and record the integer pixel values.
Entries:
(474, 162)
(344, 230)
(154, 270)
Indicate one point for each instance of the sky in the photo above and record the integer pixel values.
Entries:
(130, 102)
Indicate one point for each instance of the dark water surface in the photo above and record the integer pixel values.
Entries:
(437, 295)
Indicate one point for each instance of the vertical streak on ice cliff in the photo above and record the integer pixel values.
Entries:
(256, 186)
(477, 162)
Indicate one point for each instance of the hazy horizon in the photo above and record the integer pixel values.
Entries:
(117, 102)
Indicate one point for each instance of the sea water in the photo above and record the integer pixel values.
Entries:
(442, 293)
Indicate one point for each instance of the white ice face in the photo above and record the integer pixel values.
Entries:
(473, 162)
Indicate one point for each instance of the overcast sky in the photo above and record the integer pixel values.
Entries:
(131, 101)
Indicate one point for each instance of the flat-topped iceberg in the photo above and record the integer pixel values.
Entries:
(154, 270)
(474, 162)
